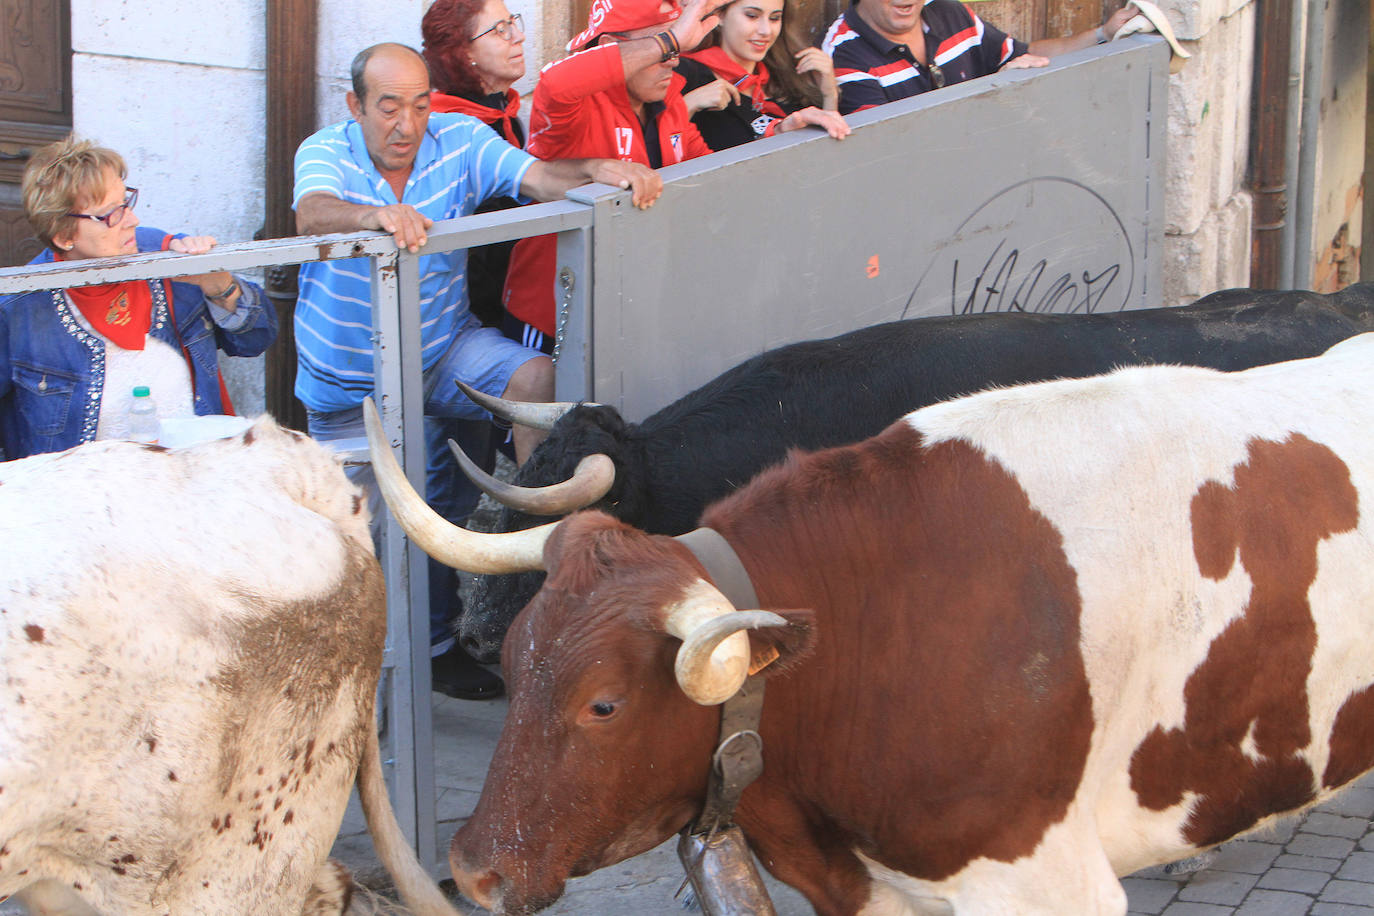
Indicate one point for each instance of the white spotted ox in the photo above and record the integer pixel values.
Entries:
(1030, 640)
(189, 647)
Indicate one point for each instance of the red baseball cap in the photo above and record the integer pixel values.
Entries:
(623, 16)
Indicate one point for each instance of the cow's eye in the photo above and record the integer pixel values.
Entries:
(603, 710)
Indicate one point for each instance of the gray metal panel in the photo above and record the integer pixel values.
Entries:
(1033, 188)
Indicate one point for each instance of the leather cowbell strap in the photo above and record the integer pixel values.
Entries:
(738, 759)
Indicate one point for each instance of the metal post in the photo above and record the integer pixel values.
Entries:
(405, 665)
(573, 318)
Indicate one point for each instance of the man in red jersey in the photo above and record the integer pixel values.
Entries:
(613, 98)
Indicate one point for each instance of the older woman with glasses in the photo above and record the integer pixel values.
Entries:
(475, 50)
(70, 359)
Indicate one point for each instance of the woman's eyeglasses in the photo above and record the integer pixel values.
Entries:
(506, 28)
(112, 218)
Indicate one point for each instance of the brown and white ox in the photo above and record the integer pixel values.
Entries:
(1031, 640)
(189, 649)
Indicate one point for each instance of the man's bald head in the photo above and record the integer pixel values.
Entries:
(390, 102)
(388, 54)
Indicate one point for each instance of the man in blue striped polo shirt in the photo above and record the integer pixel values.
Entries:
(393, 167)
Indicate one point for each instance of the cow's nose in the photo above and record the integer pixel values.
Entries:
(479, 647)
(479, 886)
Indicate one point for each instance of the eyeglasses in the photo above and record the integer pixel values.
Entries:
(112, 218)
(506, 28)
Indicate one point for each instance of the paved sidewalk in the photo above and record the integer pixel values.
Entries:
(1320, 864)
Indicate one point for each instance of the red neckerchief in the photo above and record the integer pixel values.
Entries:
(499, 119)
(122, 312)
(754, 85)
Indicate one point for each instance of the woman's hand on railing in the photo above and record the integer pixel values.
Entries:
(219, 286)
(830, 121)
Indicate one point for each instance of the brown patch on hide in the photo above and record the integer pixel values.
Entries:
(357, 504)
(1250, 693)
(34, 632)
(317, 647)
(249, 435)
(1352, 740)
(947, 610)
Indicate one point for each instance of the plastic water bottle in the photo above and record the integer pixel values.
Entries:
(144, 425)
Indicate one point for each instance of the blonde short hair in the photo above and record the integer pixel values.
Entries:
(64, 177)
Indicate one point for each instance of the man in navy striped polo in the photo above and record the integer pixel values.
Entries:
(886, 50)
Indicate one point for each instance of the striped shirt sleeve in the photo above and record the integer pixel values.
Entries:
(319, 165)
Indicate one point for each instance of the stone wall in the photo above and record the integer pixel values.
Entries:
(1207, 209)
(179, 89)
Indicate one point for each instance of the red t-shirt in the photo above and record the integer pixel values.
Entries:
(582, 111)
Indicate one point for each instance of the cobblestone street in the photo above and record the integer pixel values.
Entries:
(1322, 864)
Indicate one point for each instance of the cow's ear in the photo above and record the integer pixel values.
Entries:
(773, 650)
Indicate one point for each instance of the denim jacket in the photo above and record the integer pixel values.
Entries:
(52, 371)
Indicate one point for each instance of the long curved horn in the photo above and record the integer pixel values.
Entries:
(713, 660)
(591, 480)
(533, 414)
(487, 554)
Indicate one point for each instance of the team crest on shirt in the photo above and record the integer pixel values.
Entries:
(675, 141)
(119, 314)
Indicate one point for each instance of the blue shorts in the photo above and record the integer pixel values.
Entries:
(481, 357)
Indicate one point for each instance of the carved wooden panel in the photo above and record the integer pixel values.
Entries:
(35, 104)
(35, 67)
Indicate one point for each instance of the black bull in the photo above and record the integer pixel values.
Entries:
(823, 393)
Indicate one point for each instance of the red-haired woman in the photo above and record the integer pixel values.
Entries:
(475, 51)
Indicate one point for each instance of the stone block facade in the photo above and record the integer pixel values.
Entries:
(1207, 209)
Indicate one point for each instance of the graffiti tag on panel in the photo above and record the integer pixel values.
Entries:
(1041, 245)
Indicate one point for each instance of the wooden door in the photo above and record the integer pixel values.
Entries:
(35, 105)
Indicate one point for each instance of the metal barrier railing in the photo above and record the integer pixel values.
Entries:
(404, 687)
